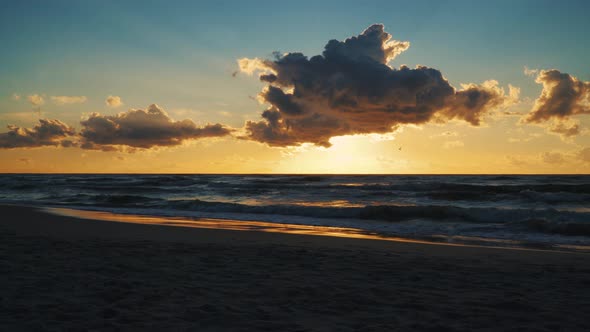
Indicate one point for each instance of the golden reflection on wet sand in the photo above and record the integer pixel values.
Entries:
(261, 226)
(236, 225)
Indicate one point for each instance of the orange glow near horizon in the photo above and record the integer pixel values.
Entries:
(430, 149)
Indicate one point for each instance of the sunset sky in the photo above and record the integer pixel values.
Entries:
(406, 87)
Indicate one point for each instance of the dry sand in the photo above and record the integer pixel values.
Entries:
(63, 273)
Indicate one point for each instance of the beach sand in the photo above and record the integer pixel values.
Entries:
(64, 273)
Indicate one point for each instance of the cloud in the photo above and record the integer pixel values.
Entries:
(565, 130)
(36, 100)
(63, 100)
(517, 161)
(553, 158)
(562, 96)
(445, 134)
(250, 66)
(584, 154)
(46, 133)
(142, 129)
(113, 101)
(351, 89)
(453, 144)
(530, 72)
(529, 137)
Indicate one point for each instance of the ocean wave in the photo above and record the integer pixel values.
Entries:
(113, 200)
(390, 213)
(547, 205)
(561, 228)
(382, 212)
(124, 199)
(464, 188)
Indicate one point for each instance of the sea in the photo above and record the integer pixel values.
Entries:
(525, 211)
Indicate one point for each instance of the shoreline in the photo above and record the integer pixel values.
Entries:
(303, 229)
(68, 273)
(269, 227)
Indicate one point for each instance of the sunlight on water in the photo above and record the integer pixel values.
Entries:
(335, 203)
(550, 211)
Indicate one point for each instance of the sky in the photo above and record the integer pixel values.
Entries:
(295, 87)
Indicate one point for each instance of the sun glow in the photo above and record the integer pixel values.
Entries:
(357, 154)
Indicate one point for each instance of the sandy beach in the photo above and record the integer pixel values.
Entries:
(63, 273)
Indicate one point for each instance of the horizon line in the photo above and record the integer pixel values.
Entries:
(296, 174)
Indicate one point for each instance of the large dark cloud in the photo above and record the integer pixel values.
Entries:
(350, 89)
(134, 129)
(563, 96)
(142, 129)
(46, 133)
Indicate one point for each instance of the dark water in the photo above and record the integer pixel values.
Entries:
(517, 210)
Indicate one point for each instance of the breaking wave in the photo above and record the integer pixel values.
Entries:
(419, 205)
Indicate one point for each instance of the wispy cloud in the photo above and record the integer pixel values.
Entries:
(517, 161)
(64, 100)
(553, 157)
(447, 134)
(565, 130)
(36, 100)
(453, 144)
(530, 72)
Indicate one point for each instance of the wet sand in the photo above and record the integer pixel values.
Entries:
(65, 273)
